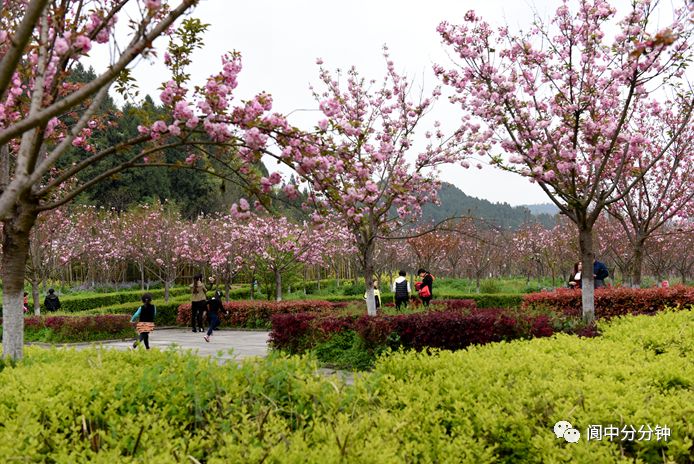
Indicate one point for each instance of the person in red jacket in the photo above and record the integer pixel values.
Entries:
(428, 284)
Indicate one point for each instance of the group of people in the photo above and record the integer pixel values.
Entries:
(50, 303)
(402, 290)
(600, 273)
(200, 306)
(212, 307)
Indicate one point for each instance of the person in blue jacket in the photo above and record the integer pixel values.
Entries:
(146, 314)
(600, 273)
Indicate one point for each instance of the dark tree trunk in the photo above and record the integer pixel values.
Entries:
(637, 264)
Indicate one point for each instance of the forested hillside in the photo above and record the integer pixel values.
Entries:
(456, 203)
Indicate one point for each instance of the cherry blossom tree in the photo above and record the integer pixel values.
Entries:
(665, 190)
(279, 246)
(562, 99)
(40, 40)
(429, 250)
(359, 163)
(45, 118)
(224, 242)
(50, 231)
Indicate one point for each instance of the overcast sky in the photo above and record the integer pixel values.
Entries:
(280, 41)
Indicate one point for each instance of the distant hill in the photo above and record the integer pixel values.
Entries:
(456, 203)
(543, 208)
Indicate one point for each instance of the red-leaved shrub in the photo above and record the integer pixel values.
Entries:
(450, 330)
(611, 302)
(258, 313)
(76, 326)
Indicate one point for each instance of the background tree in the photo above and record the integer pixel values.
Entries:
(665, 190)
(560, 100)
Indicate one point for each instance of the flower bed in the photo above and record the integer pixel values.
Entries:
(257, 314)
(611, 302)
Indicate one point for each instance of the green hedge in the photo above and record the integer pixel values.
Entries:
(166, 312)
(482, 300)
(76, 303)
(494, 403)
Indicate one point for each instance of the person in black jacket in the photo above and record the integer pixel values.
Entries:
(401, 289)
(146, 313)
(214, 309)
(51, 302)
(427, 281)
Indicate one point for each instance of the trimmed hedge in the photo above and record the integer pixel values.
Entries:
(66, 329)
(257, 313)
(76, 303)
(611, 302)
(166, 312)
(452, 329)
(494, 403)
(485, 300)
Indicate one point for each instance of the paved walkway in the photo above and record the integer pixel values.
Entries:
(225, 345)
(244, 343)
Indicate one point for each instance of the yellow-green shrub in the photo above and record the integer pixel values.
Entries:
(494, 403)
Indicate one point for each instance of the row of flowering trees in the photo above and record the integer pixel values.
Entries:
(476, 250)
(99, 246)
(95, 246)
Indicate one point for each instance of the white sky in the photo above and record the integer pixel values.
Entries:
(280, 41)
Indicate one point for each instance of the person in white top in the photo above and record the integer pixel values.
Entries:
(401, 289)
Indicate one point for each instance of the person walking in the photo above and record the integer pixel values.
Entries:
(214, 309)
(146, 314)
(51, 302)
(401, 289)
(198, 302)
(426, 288)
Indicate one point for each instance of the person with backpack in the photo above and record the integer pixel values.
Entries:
(198, 302)
(426, 287)
(51, 302)
(401, 289)
(146, 314)
(214, 309)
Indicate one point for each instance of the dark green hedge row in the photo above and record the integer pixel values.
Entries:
(166, 312)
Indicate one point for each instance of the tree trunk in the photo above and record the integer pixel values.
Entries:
(278, 285)
(637, 263)
(252, 286)
(35, 296)
(142, 276)
(477, 281)
(585, 239)
(167, 284)
(15, 250)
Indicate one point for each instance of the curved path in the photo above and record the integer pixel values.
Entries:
(243, 343)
